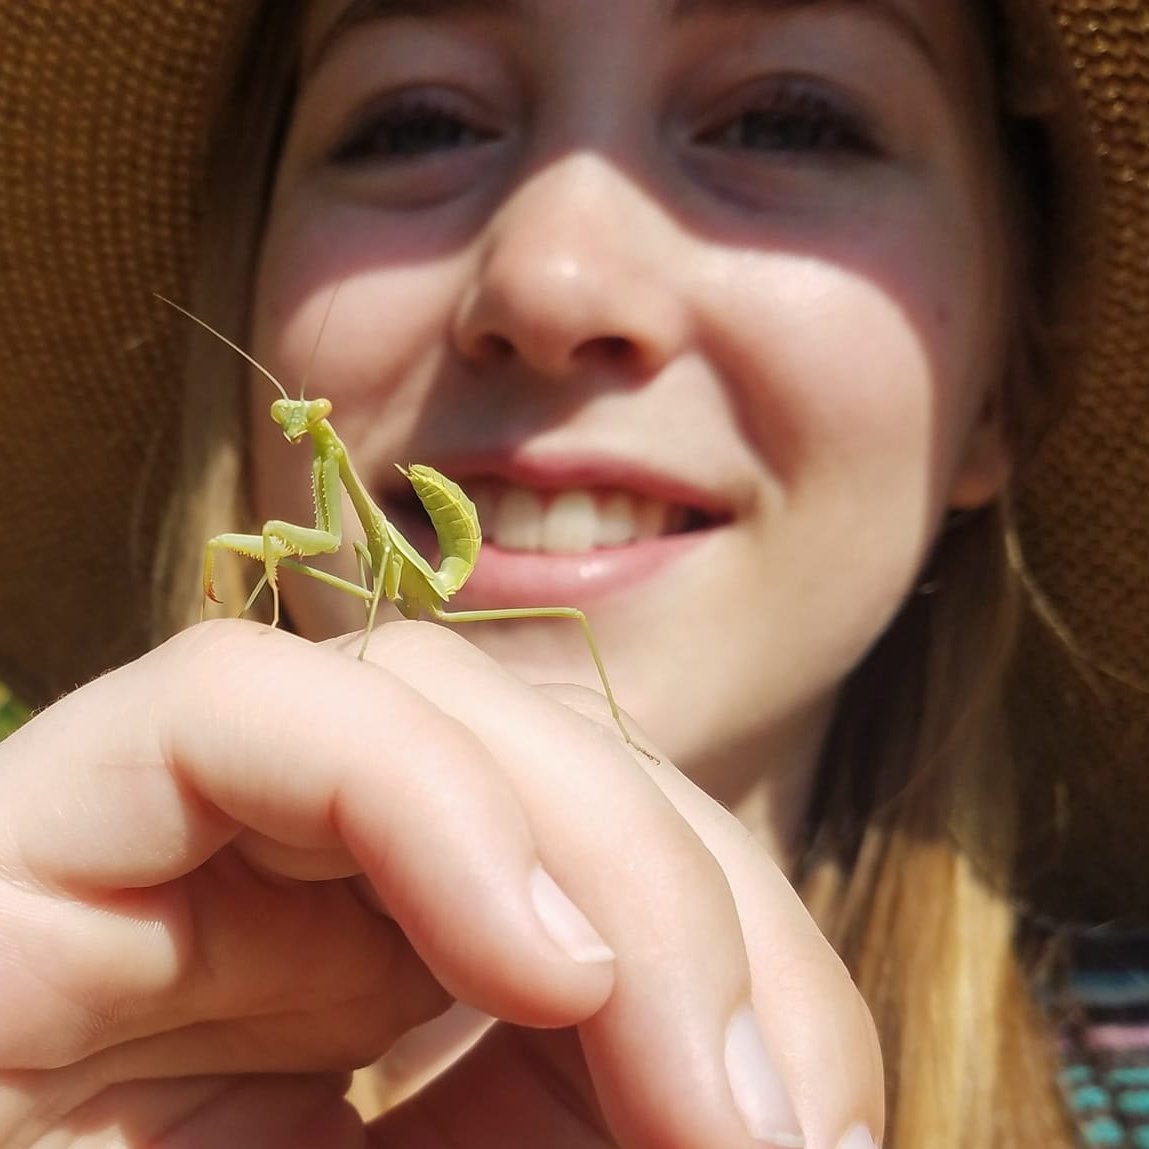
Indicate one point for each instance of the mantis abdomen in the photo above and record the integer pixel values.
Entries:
(456, 524)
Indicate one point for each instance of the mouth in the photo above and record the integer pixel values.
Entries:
(555, 538)
(526, 520)
(575, 520)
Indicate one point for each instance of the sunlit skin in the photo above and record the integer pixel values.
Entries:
(749, 259)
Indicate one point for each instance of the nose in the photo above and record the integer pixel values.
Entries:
(575, 273)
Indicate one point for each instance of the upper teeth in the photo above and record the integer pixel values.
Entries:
(571, 521)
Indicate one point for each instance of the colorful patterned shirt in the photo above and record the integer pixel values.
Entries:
(1105, 1038)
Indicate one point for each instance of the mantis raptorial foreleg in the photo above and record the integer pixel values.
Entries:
(281, 540)
(389, 566)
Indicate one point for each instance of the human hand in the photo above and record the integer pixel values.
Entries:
(187, 960)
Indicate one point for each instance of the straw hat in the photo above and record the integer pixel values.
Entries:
(103, 112)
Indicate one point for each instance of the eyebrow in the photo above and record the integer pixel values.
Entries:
(364, 11)
(367, 11)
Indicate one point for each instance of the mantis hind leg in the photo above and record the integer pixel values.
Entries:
(263, 581)
(376, 586)
(569, 612)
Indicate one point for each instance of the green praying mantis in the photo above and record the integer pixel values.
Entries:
(389, 566)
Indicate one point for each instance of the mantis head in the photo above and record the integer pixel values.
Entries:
(299, 417)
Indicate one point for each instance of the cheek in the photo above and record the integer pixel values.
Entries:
(365, 328)
(841, 384)
(339, 285)
(858, 408)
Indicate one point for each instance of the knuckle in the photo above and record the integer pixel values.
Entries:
(416, 645)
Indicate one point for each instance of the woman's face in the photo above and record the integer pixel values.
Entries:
(702, 300)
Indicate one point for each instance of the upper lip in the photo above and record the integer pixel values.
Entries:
(545, 473)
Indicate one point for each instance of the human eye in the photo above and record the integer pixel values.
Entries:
(406, 127)
(791, 117)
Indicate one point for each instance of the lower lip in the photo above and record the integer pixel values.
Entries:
(505, 579)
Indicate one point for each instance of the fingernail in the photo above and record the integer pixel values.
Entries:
(858, 1138)
(565, 922)
(757, 1086)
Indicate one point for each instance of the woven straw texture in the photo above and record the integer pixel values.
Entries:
(1084, 519)
(97, 172)
(103, 103)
